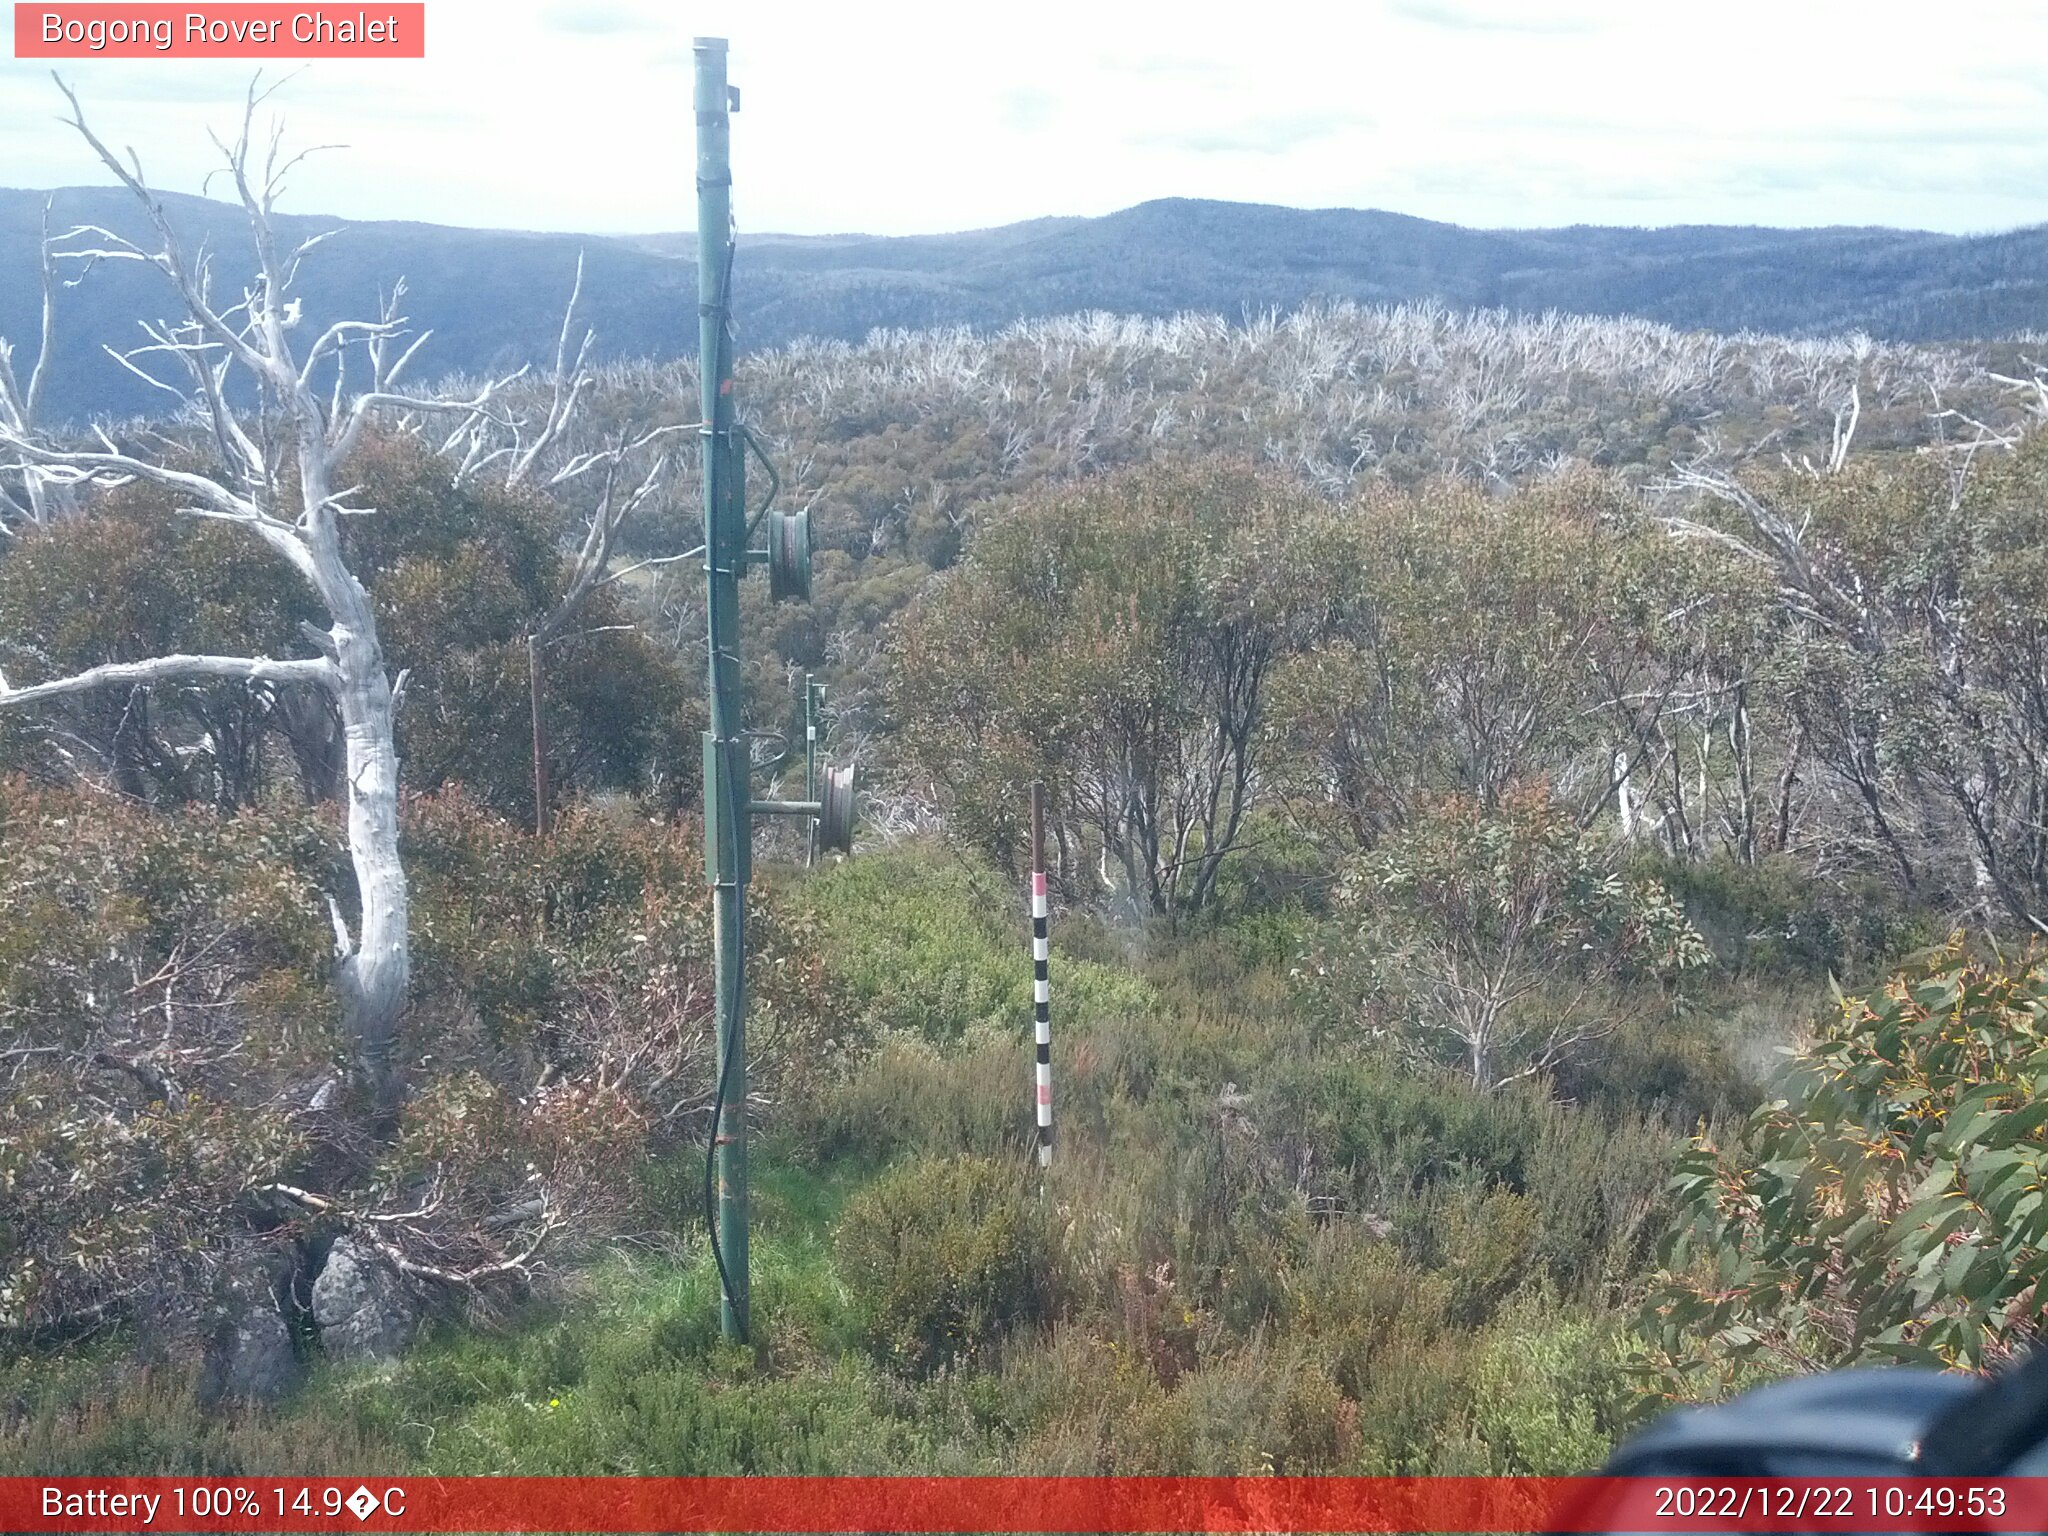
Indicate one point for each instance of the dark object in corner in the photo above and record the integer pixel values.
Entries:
(1855, 1423)
(1862, 1422)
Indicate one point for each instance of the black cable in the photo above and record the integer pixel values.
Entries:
(711, 1176)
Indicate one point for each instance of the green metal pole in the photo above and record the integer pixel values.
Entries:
(727, 822)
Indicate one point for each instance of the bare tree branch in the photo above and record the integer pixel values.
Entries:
(21, 408)
(170, 669)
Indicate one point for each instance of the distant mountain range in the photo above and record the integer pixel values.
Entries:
(494, 297)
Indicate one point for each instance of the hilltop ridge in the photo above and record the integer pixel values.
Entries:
(494, 297)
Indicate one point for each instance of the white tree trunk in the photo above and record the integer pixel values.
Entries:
(375, 976)
(376, 968)
(299, 522)
(1625, 795)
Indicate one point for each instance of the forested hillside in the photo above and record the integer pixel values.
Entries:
(1510, 781)
(493, 297)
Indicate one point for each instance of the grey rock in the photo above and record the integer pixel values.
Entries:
(254, 1359)
(249, 1352)
(363, 1307)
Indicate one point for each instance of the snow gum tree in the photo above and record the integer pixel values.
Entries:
(273, 471)
(1116, 639)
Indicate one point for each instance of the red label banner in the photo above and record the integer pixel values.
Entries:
(233, 31)
(1020, 1504)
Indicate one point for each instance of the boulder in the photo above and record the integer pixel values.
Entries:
(249, 1353)
(363, 1307)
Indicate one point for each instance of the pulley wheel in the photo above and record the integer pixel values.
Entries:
(789, 556)
(835, 820)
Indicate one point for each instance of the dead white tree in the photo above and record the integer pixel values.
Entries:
(589, 569)
(541, 454)
(277, 478)
(21, 404)
(1840, 609)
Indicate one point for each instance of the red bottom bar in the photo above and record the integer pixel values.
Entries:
(1021, 1504)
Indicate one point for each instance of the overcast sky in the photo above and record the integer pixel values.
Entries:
(896, 118)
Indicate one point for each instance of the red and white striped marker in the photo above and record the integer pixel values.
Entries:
(1041, 997)
(1041, 984)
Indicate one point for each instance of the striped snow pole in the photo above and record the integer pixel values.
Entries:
(1041, 985)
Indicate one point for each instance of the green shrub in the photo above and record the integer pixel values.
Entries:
(1265, 1408)
(946, 1255)
(1889, 1208)
(1550, 1392)
(1682, 1066)
(1085, 1405)
(925, 945)
(163, 1012)
(1361, 1301)
(1265, 890)
(1484, 1241)
(1498, 939)
(1416, 1399)
(909, 1096)
(1599, 1187)
(1395, 1134)
(98, 1411)
(1774, 918)
(1238, 1225)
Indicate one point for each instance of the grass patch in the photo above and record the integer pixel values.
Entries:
(1277, 1249)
